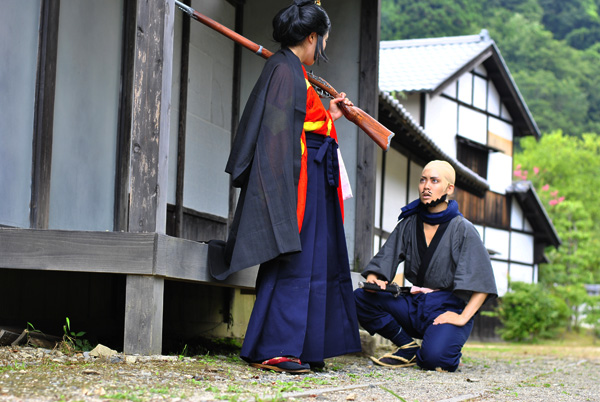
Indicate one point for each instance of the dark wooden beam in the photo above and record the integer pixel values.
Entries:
(148, 254)
(181, 135)
(121, 217)
(43, 122)
(366, 157)
(152, 64)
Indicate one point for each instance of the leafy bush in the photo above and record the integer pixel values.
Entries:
(592, 315)
(529, 312)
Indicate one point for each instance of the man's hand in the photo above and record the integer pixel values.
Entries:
(450, 318)
(373, 278)
(469, 311)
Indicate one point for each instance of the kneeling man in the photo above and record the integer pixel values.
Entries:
(447, 262)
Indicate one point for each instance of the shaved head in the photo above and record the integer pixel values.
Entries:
(444, 169)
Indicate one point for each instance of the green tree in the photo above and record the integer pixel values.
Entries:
(564, 170)
(403, 19)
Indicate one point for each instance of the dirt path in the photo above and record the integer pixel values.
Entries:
(488, 373)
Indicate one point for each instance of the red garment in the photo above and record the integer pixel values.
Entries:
(318, 121)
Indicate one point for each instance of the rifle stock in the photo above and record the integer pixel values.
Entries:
(375, 130)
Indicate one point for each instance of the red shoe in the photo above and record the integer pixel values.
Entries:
(283, 365)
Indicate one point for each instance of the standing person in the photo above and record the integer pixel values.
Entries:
(445, 258)
(289, 217)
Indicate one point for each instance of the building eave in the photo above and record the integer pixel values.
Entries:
(412, 137)
(535, 212)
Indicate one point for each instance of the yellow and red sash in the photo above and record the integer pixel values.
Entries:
(317, 121)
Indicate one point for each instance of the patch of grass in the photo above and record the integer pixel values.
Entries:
(393, 393)
(129, 396)
(13, 367)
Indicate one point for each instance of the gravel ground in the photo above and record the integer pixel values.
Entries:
(487, 373)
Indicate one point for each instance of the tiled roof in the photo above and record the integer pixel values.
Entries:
(425, 64)
(429, 65)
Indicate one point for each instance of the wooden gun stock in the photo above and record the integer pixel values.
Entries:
(378, 133)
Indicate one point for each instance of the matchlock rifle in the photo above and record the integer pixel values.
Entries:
(378, 133)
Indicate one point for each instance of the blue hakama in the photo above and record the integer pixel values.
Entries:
(304, 302)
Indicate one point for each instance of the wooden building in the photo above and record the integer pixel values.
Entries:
(116, 119)
(462, 105)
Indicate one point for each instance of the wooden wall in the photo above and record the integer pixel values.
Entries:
(492, 210)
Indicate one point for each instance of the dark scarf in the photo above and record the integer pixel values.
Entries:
(416, 207)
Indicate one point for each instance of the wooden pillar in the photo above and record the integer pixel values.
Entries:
(368, 95)
(43, 123)
(151, 100)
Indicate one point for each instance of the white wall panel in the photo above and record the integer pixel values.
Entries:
(206, 187)
(441, 123)
(501, 275)
(521, 247)
(394, 195)
(88, 78)
(472, 124)
(500, 128)
(378, 184)
(520, 273)
(493, 103)
(413, 181)
(450, 90)
(465, 88)
(208, 131)
(480, 229)
(479, 92)
(412, 104)
(19, 26)
(480, 69)
(499, 241)
(499, 172)
(504, 113)
(516, 215)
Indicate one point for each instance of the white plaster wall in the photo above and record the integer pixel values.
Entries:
(412, 104)
(481, 230)
(504, 113)
(88, 77)
(441, 123)
(413, 181)
(520, 273)
(499, 241)
(378, 178)
(499, 172)
(395, 188)
(481, 70)
(206, 187)
(465, 88)
(472, 124)
(500, 128)
(479, 92)
(493, 101)
(19, 25)
(516, 215)
(450, 90)
(521, 247)
(501, 276)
